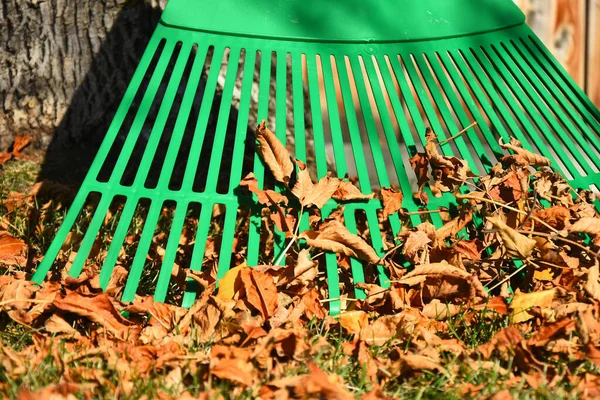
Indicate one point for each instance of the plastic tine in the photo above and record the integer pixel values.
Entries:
(222, 120)
(263, 109)
(113, 130)
(474, 86)
(164, 276)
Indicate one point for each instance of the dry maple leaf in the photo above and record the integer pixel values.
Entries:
(516, 244)
(274, 154)
(392, 201)
(334, 236)
(260, 291)
(314, 194)
(535, 160)
(346, 191)
(266, 197)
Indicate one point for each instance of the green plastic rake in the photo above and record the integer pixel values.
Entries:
(362, 81)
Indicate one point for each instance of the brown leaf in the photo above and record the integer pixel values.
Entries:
(10, 247)
(232, 364)
(333, 236)
(535, 160)
(98, 309)
(266, 197)
(346, 191)
(452, 227)
(592, 286)
(310, 194)
(274, 153)
(20, 143)
(416, 362)
(318, 385)
(414, 241)
(516, 244)
(470, 248)
(591, 226)
(392, 201)
(381, 330)
(420, 164)
(260, 291)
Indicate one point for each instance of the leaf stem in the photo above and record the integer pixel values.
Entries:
(469, 197)
(458, 134)
(508, 277)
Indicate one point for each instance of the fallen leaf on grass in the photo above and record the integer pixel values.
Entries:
(333, 236)
(525, 301)
(10, 247)
(274, 153)
(20, 143)
(353, 321)
(98, 309)
(320, 385)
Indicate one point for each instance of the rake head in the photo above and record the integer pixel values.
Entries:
(353, 94)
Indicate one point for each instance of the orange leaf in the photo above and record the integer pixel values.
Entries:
(260, 291)
(392, 201)
(10, 247)
(98, 309)
(346, 191)
(266, 197)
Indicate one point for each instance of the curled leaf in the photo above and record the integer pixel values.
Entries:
(346, 191)
(266, 197)
(334, 236)
(274, 154)
(516, 244)
(535, 160)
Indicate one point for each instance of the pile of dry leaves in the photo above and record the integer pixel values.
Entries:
(521, 247)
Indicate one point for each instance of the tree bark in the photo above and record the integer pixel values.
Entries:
(64, 64)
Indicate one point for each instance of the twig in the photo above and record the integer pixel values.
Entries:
(38, 301)
(508, 277)
(467, 197)
(422, 212)
(292, 241)
(458, 134)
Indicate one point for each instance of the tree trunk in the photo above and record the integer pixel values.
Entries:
(64, 64)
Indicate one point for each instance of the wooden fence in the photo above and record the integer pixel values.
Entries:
(571, 30)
